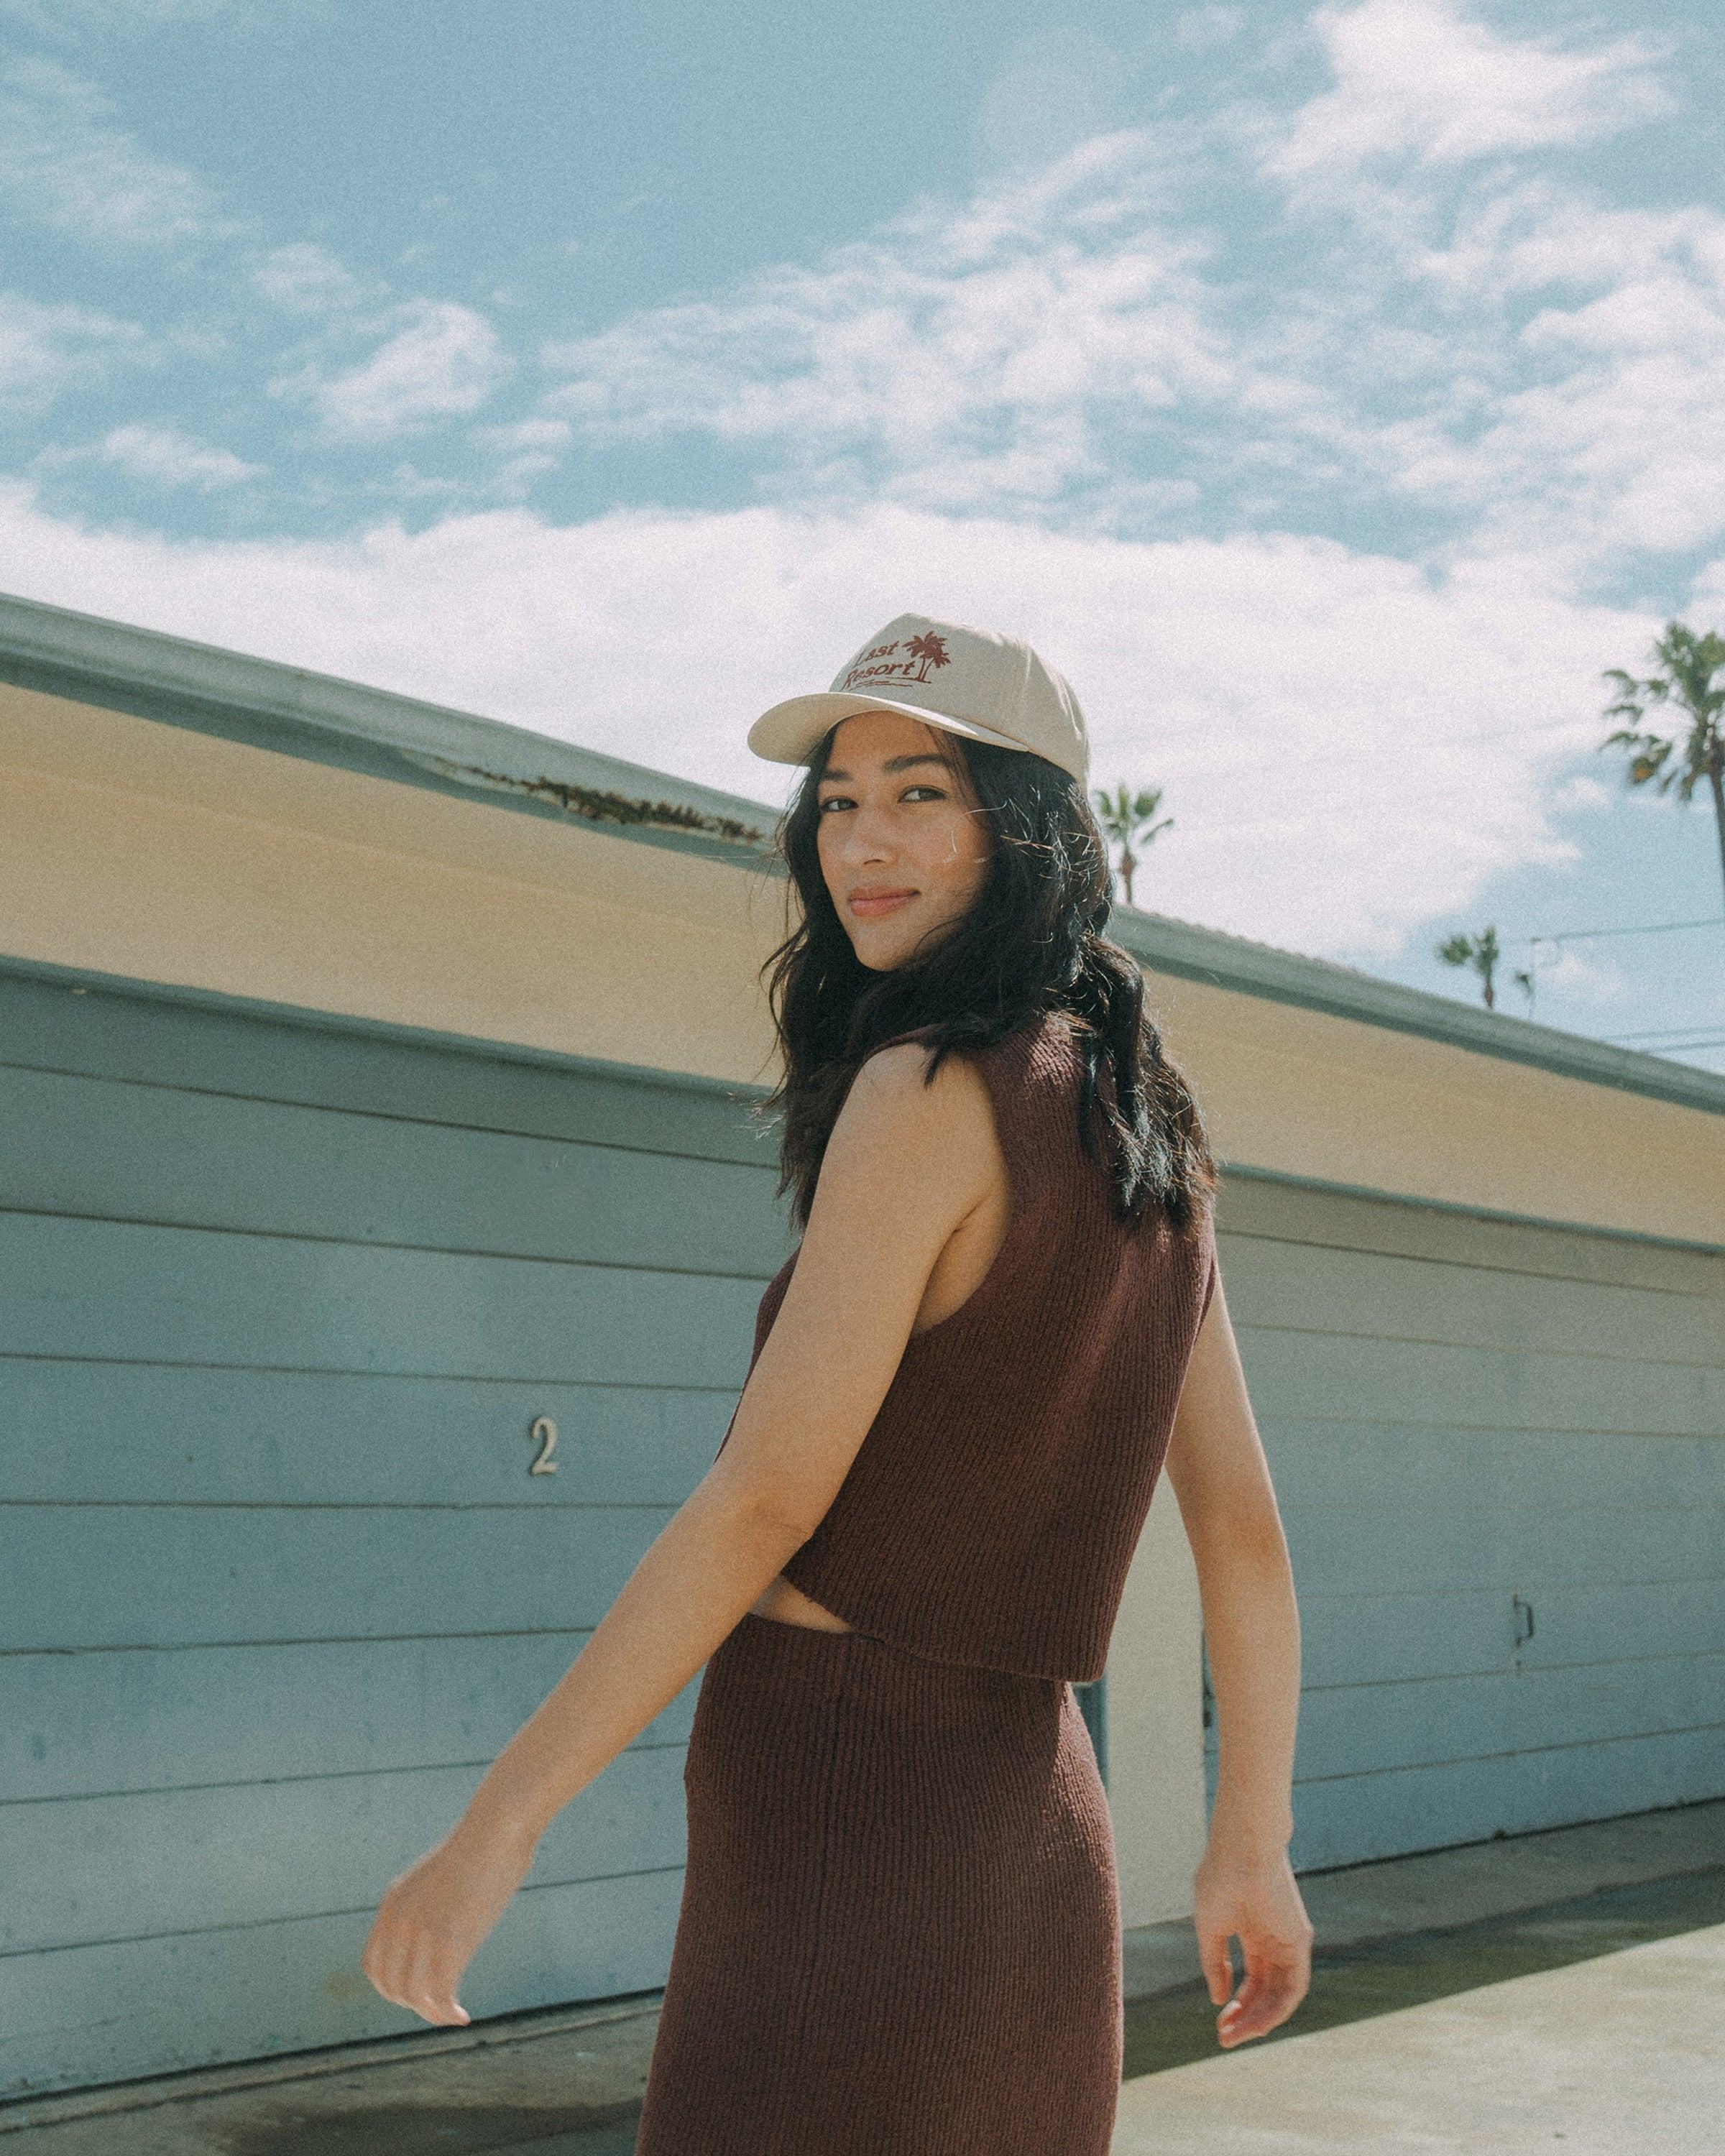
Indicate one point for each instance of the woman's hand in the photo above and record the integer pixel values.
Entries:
(1251, 1896)
(434, 1918)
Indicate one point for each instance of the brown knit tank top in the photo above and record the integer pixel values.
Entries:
(993, 1509)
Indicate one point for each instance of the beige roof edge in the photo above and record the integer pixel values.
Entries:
(1166, 945)
(88, 659)
(265, 704)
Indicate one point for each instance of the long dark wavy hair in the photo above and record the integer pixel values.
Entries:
(1031, 940)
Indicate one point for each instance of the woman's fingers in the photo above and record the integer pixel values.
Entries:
(1256, 1901)
(416, 1989)
(1239, 2022)
(1278, 1974)
(1217, 1964)
(388, 1956)
(413, 1969)
(433, 1918)
(381, 1962)
(431, 1982)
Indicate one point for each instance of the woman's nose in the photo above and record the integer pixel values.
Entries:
(866, 837)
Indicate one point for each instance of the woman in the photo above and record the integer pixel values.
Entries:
(900, 1926)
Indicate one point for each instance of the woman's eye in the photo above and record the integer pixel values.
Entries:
(844, 801)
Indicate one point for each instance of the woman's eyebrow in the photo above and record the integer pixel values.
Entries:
(893, 763)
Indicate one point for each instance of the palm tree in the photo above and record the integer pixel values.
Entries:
(1479, 951)
(1124, 816)
(1688, 677)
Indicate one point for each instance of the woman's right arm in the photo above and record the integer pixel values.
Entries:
(902, 1169)
(1245, 1886)
(903, 1165)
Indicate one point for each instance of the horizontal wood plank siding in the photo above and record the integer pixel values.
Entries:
(1467, 1418)
(103, 1720)
(279, 1302)
(175, 2001)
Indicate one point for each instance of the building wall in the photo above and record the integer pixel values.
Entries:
(1155, 1755)
(1347, 1102)
(142, 849)
(203, 863)
(1499, 1452)
(281, 1304)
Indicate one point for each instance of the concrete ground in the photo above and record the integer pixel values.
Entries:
(1609, 2057)
(1563, 1988)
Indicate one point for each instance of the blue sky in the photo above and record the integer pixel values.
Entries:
(1329, 392)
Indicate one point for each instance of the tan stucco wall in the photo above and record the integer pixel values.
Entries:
(147, 850)
(1345, 1102)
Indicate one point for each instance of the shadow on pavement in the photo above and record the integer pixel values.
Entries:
(410, 2129)
(1175, 2028)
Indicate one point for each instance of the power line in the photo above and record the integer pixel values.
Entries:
(1667, 1047)
(1647, 928)
(1669, 1032)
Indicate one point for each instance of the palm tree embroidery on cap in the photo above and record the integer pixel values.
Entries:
(926, 650)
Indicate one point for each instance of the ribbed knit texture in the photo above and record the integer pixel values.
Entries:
(900, 1928)
(993, 1510)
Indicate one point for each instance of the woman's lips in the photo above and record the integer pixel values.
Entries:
(885, 905)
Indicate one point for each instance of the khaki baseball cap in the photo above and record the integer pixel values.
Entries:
(972, 681)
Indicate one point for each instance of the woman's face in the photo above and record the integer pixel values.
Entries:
(898, 821)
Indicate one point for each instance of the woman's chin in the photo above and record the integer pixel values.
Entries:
(880, 954)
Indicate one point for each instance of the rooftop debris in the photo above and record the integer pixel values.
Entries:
(600, 804)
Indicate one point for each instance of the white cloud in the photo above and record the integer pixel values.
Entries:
(1051, 90)
(45, 351)
(1087, 344)
(1315, 715)
(442, 362)
(164, 457)
(1076, 344)
(528, 446)
(962, 355)
(67, 164)
(1596, 982)
(306, 277)
(57, 18)
(1583, 793)
(1525, 235)
(1407, 363)
(1427, 79)
(1595, 426)
(1709, 594)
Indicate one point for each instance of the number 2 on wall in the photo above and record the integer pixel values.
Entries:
(546, 1430)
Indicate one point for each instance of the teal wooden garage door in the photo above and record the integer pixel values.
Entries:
(280, 1303)
(1499, 1449)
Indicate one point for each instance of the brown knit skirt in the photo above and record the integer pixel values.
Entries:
(900, 1928)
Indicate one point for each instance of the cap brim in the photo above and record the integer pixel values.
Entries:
(787, 732)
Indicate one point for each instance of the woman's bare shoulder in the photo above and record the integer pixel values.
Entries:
(921, 1130)
(894, 1100)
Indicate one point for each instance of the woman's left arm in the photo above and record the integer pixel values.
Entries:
(1245, 1886)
